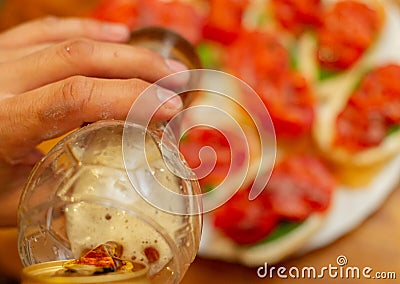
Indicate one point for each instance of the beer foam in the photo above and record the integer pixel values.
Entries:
(108, 208)
(89, 225)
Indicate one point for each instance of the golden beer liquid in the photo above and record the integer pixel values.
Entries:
(46, 273)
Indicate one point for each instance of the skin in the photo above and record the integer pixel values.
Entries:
(57, 74)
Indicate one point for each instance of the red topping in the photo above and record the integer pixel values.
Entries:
(299, 186)
(199, 137)
(263, 62)
(296, 16)
(371, 110)
(244, 221)
(348, 29)
(175, 15)
(224, 20)
(121, 11)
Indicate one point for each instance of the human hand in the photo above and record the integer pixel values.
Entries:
(55, 75)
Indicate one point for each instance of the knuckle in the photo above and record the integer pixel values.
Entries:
(77, 92)
(12, 119)
(76, 51)
(136, 86)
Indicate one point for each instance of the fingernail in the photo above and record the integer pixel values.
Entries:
(169, 98)
(175, 65)
(179, 78)
(118, 30)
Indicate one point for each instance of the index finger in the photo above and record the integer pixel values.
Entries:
(53, 29)
(57, 108)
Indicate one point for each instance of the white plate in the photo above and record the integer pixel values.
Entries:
(352, 206)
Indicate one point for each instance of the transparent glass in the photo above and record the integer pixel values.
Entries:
(166, 43)
(169, 45)
(80, 196)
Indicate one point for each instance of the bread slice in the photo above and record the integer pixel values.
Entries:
(335, 93)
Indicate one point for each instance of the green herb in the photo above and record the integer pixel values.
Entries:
(183, 138)
(207, 188)
(325, 74)
(362, 74)
(283, 228)
(263, 19)
(294, 61)
(209, 55)
(393, 129)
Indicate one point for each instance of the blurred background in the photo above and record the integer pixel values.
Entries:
(376, 243)
(14, 12)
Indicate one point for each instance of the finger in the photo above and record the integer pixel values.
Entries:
(53, 110)
(84, 57)
(11, 54)
(53, 29)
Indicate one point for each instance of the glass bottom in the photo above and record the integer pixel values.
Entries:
(46, 273)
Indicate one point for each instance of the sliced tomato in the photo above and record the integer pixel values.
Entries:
(245, 221)
(256, 56)
(261, 60)
(380, 91)
(290, 103)
(200, 137)
(176, 15)
(296, 16)
(224, 20)
(348, 29)
(121, 11)
(300, 185)
(371, 111)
